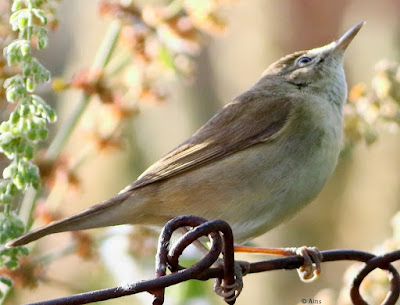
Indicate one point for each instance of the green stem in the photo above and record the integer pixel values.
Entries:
(6, 209)
(108, 46)
(100, 61)
(58, 253)
(30, 22)
(65, 131)
(124, 61)
(28, 207)
(6, 292)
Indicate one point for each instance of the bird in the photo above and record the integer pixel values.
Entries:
(256, 163)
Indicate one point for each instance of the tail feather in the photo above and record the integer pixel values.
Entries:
(100, 215)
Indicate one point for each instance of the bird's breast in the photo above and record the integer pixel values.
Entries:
(292, 170)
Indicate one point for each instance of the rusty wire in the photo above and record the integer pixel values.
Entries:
(221, 238)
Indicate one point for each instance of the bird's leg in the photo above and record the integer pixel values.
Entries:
(311, 255)
(228, 292)
(241, 268)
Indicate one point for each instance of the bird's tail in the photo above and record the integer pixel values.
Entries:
(106, 213)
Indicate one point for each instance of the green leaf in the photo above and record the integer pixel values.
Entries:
(9, 171)
(30, 86)
(22, 23)
(24, 110)
(5, 138)
(31, 134)
(10, 227)
(25, 48)
(28, 154)
(42, 38)
(5, 198)
(41, 15)
(6, 281)
(16, 5)
(19, 181)
(51, 115)
(14, 117)
(11, 264)
(43, 134)
(4, 127)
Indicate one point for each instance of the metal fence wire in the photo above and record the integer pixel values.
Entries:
(220, 235)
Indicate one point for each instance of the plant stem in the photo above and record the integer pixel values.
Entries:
(102, 57)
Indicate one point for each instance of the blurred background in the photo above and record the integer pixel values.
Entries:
(353, 211)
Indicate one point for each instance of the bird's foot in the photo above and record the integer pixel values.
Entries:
(231, 292)
(311, 268)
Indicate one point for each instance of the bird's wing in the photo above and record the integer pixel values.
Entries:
(253, 117)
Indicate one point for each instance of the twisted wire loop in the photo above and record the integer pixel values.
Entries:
(201, 227)
(382, 262)
(221, 238)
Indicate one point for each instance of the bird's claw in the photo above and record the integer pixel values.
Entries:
(231, 292)
(311, 268)
(228, 292)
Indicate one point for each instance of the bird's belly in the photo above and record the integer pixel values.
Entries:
(253, 192)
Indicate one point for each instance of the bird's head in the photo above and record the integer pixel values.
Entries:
(318, 71)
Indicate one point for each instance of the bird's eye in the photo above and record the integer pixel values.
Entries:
(303, 60)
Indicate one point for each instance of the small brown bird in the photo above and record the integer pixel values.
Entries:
(256, 163)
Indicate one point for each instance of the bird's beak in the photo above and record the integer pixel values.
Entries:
(345, 40)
